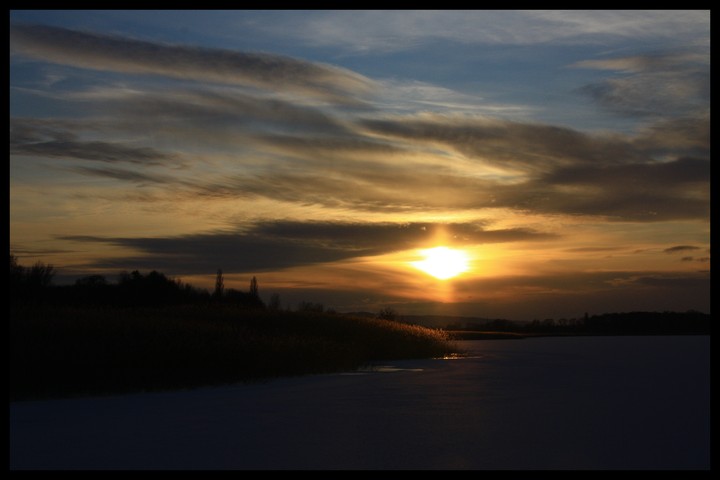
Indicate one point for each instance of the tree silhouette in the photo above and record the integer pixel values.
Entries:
(151, 289)
(254, 288)
(30, 283)
(17, 275)
(274, 303)
(219, 285)
(311, 307)
(40, 275)
(91, 281)
(16, 270)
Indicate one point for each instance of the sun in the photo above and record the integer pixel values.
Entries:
(442, 262)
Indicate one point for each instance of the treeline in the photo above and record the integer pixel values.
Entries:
(33, 285)
(627, 323)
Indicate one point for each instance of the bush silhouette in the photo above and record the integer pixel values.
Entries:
(30, 284)
(388, 313)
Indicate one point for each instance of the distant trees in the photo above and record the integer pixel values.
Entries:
(40, 275)
(315, 307)
(29, 282)
(274, 303)
(240, 298)
(90, 290)
(236, 297)
(625, 323)
(388, 313)
(15, 267)
(34, 285)
(30, 285)
(153, 288)
(311, 307)
(91, 281)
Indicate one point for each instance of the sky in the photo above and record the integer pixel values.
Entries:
(566, 154)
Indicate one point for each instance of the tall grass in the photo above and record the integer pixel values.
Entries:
(67, 351)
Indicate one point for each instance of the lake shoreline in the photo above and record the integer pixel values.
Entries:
(493, 335)
(71, 351)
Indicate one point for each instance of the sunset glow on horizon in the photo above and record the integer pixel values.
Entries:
(505, 164)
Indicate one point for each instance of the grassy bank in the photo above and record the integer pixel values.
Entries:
(66, 351)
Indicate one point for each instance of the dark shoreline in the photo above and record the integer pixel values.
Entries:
(71, 351)
(491, 335)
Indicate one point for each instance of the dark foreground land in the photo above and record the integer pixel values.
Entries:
(150, 332)
(58, 351)
(64, 350)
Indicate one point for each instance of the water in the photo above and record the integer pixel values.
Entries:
(544, 403)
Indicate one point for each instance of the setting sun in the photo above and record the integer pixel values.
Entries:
(442, 262)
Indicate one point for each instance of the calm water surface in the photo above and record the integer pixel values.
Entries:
(544, 403)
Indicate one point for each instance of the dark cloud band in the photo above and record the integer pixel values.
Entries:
(284, 244)
(121, 54)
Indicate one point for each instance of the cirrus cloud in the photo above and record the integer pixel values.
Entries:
(126, 55)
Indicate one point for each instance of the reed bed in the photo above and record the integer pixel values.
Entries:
(75, 351)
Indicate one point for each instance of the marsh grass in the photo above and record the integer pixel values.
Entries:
(71, 351)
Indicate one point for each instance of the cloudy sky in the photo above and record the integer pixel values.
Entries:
(567, 153)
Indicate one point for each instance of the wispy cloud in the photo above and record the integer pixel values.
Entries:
(208, 109)
(550, 169)
(98, 151)
(560, 170)
(49, 139)
(651, 191)
(125, 175)
(528, 147)
(671, 281)
(686, 136)
(360, 32)
(126, 55)
(460, 162)
(356, 160)
(681, 248)
(665, 85)
(406, 95)
(591, 25)
(645, 63)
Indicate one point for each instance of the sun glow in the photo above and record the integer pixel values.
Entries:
(442, 262)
